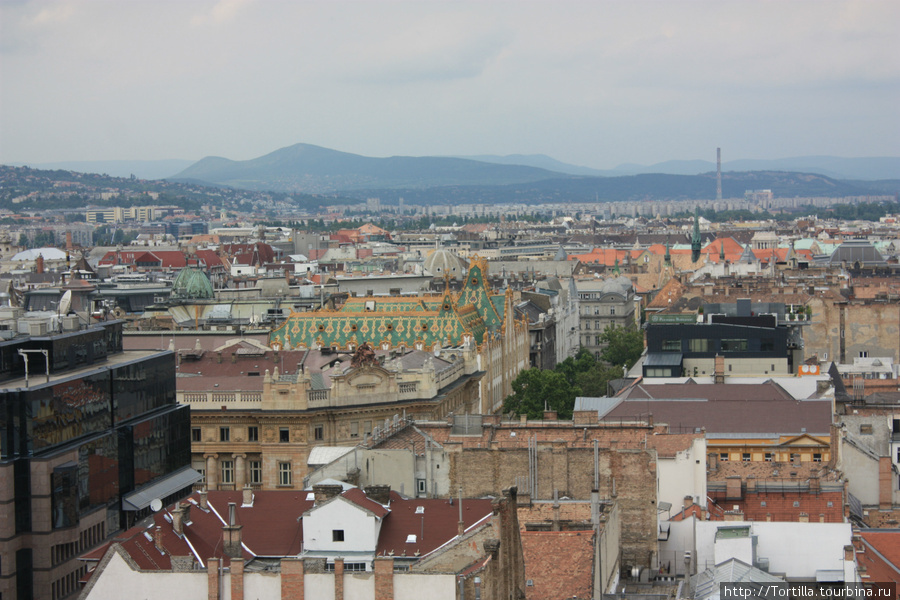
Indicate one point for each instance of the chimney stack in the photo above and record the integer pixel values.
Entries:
(247, 496)
(204, 502)
(324, 493)
(231, 537)
(379, 493)
(157, 539)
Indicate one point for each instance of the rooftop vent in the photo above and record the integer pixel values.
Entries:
(420, 510)
(411, 538)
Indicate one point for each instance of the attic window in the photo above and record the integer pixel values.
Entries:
(353, 327)
(337, 535)
(474, 281)
(253, 374)
(446, 306)
(411, 538)
(390, 326)
(321, 327)
(420, 510)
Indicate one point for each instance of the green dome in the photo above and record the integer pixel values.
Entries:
(192, 284)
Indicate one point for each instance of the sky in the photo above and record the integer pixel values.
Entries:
(596, 84)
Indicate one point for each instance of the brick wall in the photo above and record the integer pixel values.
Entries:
(628, 474)
(384, 578)
(292, 573)
(237, 579)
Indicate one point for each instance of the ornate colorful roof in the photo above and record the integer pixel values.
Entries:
(447, 319)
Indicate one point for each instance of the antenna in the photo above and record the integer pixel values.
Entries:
(156, 505)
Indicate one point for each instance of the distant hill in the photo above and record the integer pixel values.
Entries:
(632, 188)
(540, 161)
(312, 169)
(868, 169)
(142, 169)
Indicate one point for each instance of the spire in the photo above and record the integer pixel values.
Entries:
(695, 239)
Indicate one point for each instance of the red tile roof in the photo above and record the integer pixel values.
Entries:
(439, 521)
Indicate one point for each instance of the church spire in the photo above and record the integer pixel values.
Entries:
(695, 239)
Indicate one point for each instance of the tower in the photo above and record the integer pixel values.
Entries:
(718, 173)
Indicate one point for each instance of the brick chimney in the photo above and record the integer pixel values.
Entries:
(323, 493)
(181, 515)
(550, 415)
(379, 493)
(231, 535)
(719, 369)
(204, 502)
(39, 264)
(885, 478)
(157, 539)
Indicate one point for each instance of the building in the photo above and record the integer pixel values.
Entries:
(601, 304)
(89, 435)
(257, 413)
(474, 317)
(329, 542)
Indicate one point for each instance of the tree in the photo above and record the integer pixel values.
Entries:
(624, 345)
(534, 388)
(595, 382)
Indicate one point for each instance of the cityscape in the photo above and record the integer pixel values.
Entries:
(462, 301)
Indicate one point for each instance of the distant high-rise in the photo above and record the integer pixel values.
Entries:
(718, 173)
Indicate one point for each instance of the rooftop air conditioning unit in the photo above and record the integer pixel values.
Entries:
(70, 323)
(37, 327)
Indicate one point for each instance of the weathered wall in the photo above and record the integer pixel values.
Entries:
(857, 327)
(627, 475)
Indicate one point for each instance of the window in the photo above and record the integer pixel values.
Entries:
(355, 566)
(796, 504)
(367, 427)
(224, 434)
(202, 474)
(253, 434)
(354, 429)
(745, 457)
(227, 471)
(699, 345)
(284, 435)
(763, 503)
(195, 434)
(767, 345)
(863, 353)
(420, 485)
(770, 457)
(318, 432)
(723, 457)
(337, 535)
(284, 473)
(817, 457)
(255, 472)
(671, 346)
(734, 345)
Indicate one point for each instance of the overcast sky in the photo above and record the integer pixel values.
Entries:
(589, 83)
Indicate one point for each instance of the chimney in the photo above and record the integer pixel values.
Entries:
(69, 241)
(720, 368)
(178, 520)
(849, 553)
(204, 503)
(324, 493)
(379, 493)
(688, 501)
(885, 480)
(157, 539)
(231, 535)
(247, 496)
(550, 415)
(39, 264)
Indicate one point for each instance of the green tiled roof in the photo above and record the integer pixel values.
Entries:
(445, 319)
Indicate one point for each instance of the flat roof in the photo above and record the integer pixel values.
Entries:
(38, 379)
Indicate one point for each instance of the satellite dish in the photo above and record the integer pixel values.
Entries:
(65, 303)
(156, 505)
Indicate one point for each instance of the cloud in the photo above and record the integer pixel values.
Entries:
(221, 12)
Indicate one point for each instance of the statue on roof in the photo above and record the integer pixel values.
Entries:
(364, 355)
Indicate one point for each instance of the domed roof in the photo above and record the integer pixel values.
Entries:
(192, 284)
(444, 262)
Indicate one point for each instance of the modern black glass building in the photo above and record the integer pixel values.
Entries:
(89, 435)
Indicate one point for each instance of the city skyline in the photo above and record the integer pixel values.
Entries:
(592, 84)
